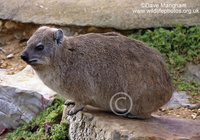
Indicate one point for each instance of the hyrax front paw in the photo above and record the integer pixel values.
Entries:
(69, 102)
(78, 107)
(74, 111)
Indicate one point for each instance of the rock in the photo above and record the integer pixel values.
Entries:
(19, 106)
(2, 42)
(192, 72)
(93, 30)
(26, 79)
(18, 36)
(93, 123)
(22, 96)
(198, 112)
(11, 25)
(179, 98)
(10, 56)
(1, 25)
(3, 50)
(118, 14)
(68, 31)
(2, 130)
(3, 65)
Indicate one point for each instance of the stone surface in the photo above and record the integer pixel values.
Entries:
(22, 97)
(179, 98)
(10, 56)
(119, 14)
(3, 50)
(1, 25)
(11, 25)
(192, 72)
(18, 36)
(96, 124)
(2, 130)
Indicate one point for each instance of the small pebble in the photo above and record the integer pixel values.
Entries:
(171, 108)
(24, 33)
(159, 114)
(194, 116)
(195, 110)
(1, 25)
(18, 36)
(12, 69)
(11, 25)
(198, 112)
(193, 102)
(10, 72)
(3, 50)
(20, 68)
(10, 56)
(4, 65)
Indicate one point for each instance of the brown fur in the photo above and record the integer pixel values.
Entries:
(89, 69)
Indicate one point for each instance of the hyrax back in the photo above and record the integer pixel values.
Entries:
(90, 69)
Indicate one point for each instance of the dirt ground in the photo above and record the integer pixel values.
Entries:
(13, 38)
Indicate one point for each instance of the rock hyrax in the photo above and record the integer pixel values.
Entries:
(90, 69)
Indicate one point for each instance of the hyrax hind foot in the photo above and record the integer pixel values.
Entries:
(129, 115)
(77, 107)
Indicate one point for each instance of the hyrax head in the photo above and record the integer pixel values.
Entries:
(42, 45)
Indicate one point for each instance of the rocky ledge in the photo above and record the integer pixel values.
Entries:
(22, 97)
(93, 123)
(118, 14)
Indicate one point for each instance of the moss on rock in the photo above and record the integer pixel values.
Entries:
(46, 126)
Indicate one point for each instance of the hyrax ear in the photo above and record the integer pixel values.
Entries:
(58, 36)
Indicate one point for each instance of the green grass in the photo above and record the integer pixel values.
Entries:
(35, 129)
(178, 46)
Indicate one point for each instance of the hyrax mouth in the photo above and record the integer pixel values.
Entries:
(26, 59)
(32, 62)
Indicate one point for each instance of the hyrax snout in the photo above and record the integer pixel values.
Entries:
(91, 69)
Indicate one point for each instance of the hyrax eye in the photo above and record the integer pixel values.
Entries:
(39, 48)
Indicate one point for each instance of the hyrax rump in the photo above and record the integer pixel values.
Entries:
(90, 69)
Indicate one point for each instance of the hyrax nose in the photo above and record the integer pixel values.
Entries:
(24, 57)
